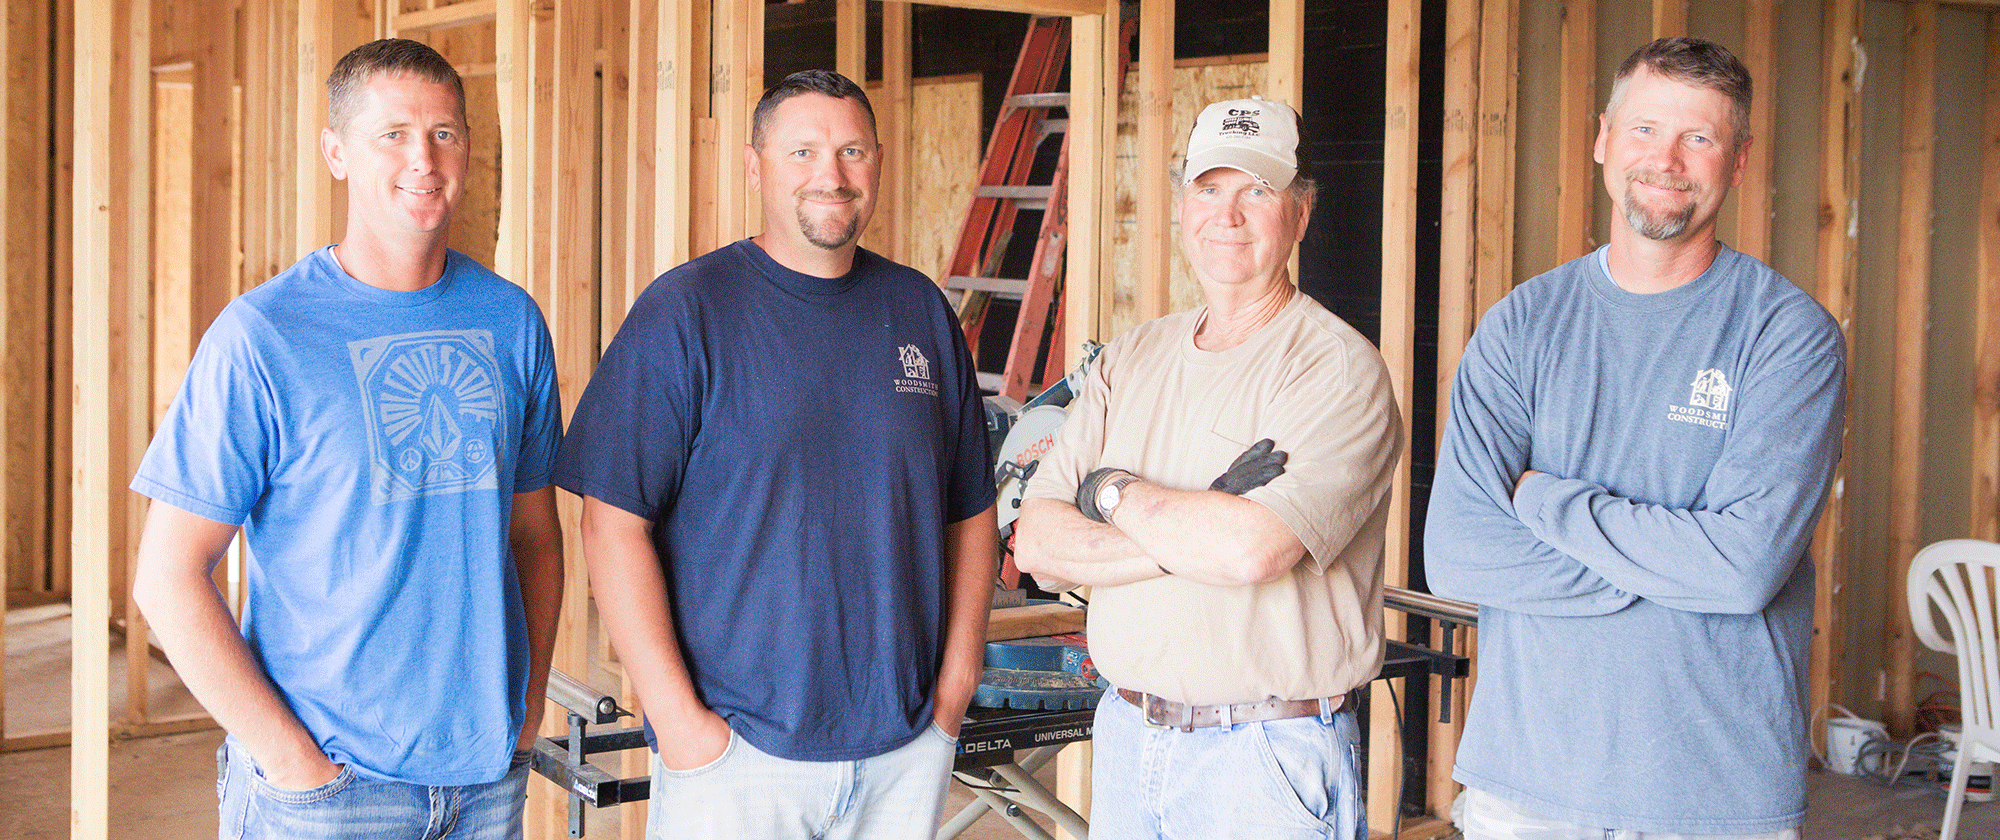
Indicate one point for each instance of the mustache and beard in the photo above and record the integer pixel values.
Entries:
(1657, 224)
(829, 234)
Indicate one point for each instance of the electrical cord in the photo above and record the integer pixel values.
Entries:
(1812, 727)
(1396, 827)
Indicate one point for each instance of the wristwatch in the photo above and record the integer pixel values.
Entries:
(1111, 494)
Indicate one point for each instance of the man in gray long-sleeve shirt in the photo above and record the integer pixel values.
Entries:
(1639, 445)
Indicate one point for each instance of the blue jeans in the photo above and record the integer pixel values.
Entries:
(748, 793)
(1269, 780)
(355, 808)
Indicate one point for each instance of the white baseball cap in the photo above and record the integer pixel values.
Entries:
(1255, 135)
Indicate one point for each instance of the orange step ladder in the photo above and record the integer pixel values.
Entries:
(1014, 178)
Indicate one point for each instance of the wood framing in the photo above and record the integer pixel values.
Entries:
(1576, 131)
(130, 264)
(850, 40)
(93, 426)
(1670, 18)
(673, 128)
(896, 121)
(1753, 197)
(1285, 67)
(1913, 272)
(1840, 178)
(1153, 100)
(1457, 311)
(1400, 141)
(1985, 499)
(326, 32)
(1499, 37)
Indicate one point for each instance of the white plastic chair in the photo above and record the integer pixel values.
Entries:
(1958, 578)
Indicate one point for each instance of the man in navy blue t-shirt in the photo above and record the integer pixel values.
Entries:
(787, 512)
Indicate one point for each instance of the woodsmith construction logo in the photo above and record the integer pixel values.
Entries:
(1708, 401)
(916, 372)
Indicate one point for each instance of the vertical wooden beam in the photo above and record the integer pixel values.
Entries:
(1576, 131)
(1093, 116)
(1157, 139)
(62, 273)
(513, 54)
(1457, 312)
(1753, 198)
(1498, 35)
(896, 137)
(36, 483)
(618, 257)
(131, 261)
(737, 82)
(1285, 69)
(326, 32)
(1402, 74)
(1985, 501)
(673, 135)
(93, 425)
(1840, 181)
(1670, 18)
(1913, 272)
(850, 40)
(11, 461)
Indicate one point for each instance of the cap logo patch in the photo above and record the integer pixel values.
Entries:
(1241, 122)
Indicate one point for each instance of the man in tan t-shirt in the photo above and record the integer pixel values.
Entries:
(1222, 483)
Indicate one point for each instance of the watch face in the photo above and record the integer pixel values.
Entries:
(1107, 497)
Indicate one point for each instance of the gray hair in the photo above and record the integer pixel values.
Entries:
(1697, 62)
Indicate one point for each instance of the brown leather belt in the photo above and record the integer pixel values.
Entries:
(1167, 714)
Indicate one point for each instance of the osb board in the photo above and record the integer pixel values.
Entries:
(944, 164)
(1194, 87)
(475, 225)
(26, 304)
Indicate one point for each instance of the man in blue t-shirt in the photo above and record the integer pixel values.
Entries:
(787, 511)
(381, 419)
(1639, 444)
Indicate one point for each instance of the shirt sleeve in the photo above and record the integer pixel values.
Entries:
(629, 440)
(1736, 552)
(970, 490)
(541, 418)
(213, 453)
(1341, 435)
(1474, 548)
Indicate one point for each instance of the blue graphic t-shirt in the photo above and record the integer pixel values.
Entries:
(801, 443)
(370, 443)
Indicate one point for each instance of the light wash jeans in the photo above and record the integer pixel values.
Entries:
(747, 793)
(354, 808)
(1483, 816)
(1269, 780)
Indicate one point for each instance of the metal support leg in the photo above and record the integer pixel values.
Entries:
(1024, 791)
(576, 757)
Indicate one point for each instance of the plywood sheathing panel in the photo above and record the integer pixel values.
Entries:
(944, 168)
(1193, 87)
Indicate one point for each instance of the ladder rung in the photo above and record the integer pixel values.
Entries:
(990, 381)
(1005, 287)
(1027, 197)
(1039, 100)
(1054, 127)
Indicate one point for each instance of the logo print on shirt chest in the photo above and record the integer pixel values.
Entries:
(1708, 401)
(916, 372)
(432, 402)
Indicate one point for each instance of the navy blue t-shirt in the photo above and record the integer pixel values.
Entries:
(800, 443)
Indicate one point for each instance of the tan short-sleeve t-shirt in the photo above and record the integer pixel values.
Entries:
(1177, 415)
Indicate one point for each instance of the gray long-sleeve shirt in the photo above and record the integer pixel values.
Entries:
(1646, 604)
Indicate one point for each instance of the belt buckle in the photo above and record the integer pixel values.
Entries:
(1146, 713)
(1185, 724)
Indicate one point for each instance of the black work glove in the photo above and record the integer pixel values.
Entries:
(1086, 493)
(1252, 469)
